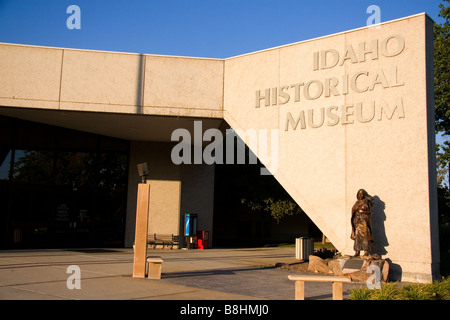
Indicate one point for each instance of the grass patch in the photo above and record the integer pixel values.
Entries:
(320, 245)
(438, 290)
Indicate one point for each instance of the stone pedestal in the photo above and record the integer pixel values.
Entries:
(154, 267)
(355, 268)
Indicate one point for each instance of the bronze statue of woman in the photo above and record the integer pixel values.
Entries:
(361, 224)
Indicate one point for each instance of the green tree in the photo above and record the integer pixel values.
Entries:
(442, 87)
(442, 101)
(260, 193)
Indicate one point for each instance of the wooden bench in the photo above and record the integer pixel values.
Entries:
(154, 267)
(335, 280)
(163, 240)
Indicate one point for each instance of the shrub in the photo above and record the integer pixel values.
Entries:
(361, 293)
(389, 291)
(438, 290)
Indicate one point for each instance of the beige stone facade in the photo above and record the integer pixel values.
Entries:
(352, 110)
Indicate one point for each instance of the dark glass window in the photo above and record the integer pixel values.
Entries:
(60, 188)
(5, 163)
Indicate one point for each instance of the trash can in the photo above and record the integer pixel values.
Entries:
(202, 240)
(304, 247)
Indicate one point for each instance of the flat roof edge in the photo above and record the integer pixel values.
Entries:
(106, 51)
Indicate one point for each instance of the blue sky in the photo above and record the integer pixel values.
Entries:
(200, 28)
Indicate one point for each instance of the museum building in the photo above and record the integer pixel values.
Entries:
(325, 117)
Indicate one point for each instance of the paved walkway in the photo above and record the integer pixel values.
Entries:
(213, 274)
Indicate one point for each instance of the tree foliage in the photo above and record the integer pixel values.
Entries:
(442, 87)
(264, 194)
(74, 169)
(259, 193)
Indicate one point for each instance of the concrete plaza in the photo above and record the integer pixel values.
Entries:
(105, 274)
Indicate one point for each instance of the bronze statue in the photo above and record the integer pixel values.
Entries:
(361, 224)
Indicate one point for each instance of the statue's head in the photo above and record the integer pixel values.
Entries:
(361, 194)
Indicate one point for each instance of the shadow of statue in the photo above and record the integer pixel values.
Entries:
(395, 271)
(378, 218)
